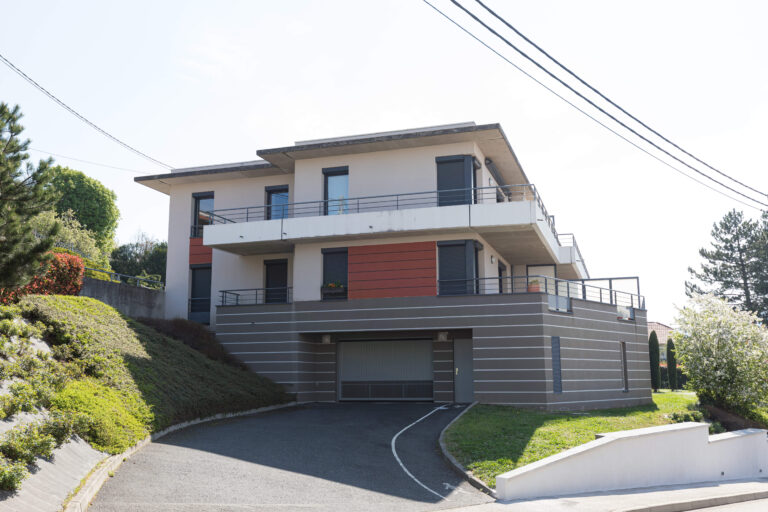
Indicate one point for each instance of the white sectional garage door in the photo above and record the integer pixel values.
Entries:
(385, 370)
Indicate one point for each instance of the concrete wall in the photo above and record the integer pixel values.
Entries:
(511, 336)
(130, 300)
(667, 455)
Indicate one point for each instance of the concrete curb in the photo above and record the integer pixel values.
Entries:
(713, 501)
(82, 500)
(456, 465)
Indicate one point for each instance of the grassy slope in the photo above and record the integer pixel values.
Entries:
(107, 352)
(490, 439)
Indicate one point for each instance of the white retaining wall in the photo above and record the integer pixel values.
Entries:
(675, 454)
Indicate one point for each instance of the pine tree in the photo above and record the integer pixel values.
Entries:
(653, 352)
(671, 365)
(24, 193)
(732, 264)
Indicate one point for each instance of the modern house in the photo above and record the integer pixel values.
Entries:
(412, 265)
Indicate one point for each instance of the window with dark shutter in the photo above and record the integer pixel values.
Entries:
(455, 179)
(335, 273)
(557, 378)
(457, 267)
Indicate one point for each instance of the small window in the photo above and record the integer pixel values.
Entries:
(504, 285)
(624, 371)
(557, 377)
(203, 212)
(336, 190)
(334, 274)
(277, 202)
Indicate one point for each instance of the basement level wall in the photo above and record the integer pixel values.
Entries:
(512, 340)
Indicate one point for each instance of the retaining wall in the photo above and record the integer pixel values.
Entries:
(130, 300)
(677, 454)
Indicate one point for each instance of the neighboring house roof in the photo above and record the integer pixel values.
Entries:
(489, 137)
(662, 331)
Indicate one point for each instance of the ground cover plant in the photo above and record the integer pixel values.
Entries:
(493, 439)
(109, 379)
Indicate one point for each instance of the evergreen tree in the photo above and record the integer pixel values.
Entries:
(653, 352)
(671, 365)
(732, 265)
(24, 193)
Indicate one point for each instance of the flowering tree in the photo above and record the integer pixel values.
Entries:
(62, 276)
(724, 352)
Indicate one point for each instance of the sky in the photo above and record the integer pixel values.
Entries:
(198, 82)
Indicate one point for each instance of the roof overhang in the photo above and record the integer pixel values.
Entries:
(254, 169)
(489, 137)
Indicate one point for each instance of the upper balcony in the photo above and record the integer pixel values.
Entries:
(513, 219)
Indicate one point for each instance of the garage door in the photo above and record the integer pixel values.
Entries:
(385, 370)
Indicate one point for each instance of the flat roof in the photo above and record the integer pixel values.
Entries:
(489, 137)
(252, 169)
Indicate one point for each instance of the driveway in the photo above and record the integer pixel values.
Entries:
(316, 457)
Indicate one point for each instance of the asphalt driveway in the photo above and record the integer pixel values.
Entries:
(314, 457)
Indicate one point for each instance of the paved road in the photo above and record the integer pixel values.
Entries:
(318, 457)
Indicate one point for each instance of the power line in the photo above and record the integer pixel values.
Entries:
(136, 171)
(76, 114)
(593, 89)
(603, 111)
(473, 36)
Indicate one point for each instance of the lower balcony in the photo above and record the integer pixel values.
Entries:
(623, 293)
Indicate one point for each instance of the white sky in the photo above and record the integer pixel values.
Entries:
(194, 83)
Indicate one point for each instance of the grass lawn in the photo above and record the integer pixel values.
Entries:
(493, 439)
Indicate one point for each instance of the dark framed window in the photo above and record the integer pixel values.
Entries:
(277, 202)
(624, 371)
(455, 179)
(336, 190)
(335, 274)
(275, 281)
(503, 278)
(202, 212)
(458, 267)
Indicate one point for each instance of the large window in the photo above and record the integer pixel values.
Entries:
(202, 216)
(277, 202)
(334, 273)
(457, 267)
(336, 190)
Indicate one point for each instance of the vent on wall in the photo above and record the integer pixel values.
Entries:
(557, 378)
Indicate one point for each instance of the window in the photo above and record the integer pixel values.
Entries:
(557, 377)
(336, 190)
(334, 273)
(200, 293)
(277, 202)
(457, 267)
(275, 281)
(203, 216)
(624, 371)
(455, 180)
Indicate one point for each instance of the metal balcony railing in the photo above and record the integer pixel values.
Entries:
(253, 296)
(560, 291)
(479, 195)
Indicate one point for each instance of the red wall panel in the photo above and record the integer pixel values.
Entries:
(198, 253)
(392, 270)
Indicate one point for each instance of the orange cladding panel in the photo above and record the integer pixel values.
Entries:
(392, 270)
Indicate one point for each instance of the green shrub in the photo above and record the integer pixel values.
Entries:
(11, 474)
(680, 417)
(25, 443)
(724, 352)
(672, 365)
(653, 352)
(116, 420)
